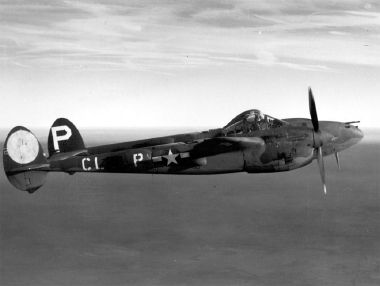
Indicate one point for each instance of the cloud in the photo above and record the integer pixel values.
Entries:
(170, 35)
(39, 13)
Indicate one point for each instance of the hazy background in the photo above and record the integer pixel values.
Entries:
(157, 67)
(186, 63)
(237, 229)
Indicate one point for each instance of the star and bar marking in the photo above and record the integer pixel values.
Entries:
(171, 157)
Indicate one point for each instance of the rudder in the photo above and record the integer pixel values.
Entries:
(64, 137)
(25, 163)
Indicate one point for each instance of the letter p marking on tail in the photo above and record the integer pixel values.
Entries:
(56, 138)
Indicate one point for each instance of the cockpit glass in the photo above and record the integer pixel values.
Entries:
(252, 120)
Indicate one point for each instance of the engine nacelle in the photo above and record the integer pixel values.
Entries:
(278, 158)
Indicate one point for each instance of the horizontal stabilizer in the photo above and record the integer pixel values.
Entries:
(64, 156)
(34, 167)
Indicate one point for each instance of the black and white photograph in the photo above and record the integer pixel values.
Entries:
(180, 143)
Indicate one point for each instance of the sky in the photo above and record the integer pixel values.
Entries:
(158, 64)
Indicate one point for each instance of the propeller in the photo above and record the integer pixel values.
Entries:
(337, 159)
(313, 111)
(321, 165)
(317, 138)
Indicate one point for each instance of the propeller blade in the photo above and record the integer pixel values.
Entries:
(322, 168)
(337, 159)
(313, 111)
(318, 139)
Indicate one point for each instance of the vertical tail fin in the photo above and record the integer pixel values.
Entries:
(25, 163)
(64, 137)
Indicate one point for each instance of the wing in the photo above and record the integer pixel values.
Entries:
(175, 156)
(188, 155)
(218, 145)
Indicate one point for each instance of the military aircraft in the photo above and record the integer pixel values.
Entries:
(252, 142)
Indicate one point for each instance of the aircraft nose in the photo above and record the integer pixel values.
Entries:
(359, 133)
(344, 134)
(353, 134)
(356, 132)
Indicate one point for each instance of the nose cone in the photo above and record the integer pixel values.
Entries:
(349, 135)
(352, 133)
(344, 136)
(357, 133)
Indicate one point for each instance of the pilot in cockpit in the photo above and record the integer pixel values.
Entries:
(255, 119)
(251, 120)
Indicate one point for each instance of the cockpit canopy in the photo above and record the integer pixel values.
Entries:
(252, 120)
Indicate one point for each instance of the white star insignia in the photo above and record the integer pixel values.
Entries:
(171, 157)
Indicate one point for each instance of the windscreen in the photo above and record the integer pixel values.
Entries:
(252, 120)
